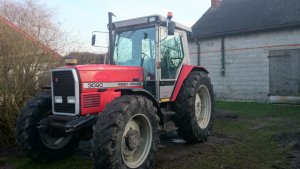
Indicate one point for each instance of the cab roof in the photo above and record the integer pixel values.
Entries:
(147, 20)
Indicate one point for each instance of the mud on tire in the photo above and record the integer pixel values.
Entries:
(119, 132)
(29, 136)
(195, 113)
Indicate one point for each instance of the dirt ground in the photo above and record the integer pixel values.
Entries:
(6, 154)
(175, 153)
(172, 148)
(176, 149)
(290, 141)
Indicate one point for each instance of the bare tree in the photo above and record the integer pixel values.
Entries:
(25, 58)
(36, 19)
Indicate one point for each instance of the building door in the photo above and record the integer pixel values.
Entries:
(285, 72)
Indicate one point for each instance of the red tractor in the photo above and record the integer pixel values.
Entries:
(122, 106)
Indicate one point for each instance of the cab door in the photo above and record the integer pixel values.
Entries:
(171, 60)
(148, 57)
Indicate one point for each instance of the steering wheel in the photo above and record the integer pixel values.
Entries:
(143, 58)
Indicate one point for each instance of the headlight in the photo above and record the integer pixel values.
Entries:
(71, 99)
(58, 99)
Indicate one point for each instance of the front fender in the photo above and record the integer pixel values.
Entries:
(143, 92)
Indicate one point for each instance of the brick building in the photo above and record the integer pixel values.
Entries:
(251, 49)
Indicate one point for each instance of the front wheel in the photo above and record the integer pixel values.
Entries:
(126, 134)
(40, 144)
(195, 108)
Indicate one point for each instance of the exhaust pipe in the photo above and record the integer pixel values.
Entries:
(111, 43)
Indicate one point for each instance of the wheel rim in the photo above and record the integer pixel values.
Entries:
(203, 107)
(53, 142)
(136, 141)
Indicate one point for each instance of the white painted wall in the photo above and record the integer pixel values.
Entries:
(246, 62)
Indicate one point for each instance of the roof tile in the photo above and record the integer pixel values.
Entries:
(237, 16)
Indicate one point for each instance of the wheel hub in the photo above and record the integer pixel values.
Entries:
(198, 106)
(132, 139)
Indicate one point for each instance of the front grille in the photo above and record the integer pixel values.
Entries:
(91, 100)
(63, 85)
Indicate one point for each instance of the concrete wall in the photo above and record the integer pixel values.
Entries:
(246, 62)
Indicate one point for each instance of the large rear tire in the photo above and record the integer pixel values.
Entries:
(194, 108)
(38, 144)
(126, 134)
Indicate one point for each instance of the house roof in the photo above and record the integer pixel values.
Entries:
(240, 16)
(29, 37)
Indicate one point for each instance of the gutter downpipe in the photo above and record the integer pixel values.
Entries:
(223, 56)
(198, 52)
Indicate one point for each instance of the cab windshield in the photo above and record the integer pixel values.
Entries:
(136, 48)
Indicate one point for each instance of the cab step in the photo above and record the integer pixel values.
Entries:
(168, 115)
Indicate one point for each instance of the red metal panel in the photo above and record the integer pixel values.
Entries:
(108, 73)
(104, 73)
(105, 98)
(91, 100)
(185, 71)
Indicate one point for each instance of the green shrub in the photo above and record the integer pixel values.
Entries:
(24, 67)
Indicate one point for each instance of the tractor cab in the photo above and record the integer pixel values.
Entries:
(156, 44)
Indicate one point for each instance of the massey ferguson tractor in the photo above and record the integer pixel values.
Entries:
(122, 106)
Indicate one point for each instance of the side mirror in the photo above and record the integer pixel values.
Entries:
(93, 40)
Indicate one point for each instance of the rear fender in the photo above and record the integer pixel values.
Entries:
(143, 92)
(185, 71)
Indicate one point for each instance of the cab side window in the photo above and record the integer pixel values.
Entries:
(171, 55)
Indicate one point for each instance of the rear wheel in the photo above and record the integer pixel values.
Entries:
(40, 144)
(126, 134)
(195, 108)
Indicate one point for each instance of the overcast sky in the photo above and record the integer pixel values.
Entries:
(85, 16)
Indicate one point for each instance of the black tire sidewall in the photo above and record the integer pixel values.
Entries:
(186, 121)
(127, 110)
(144, 111)
(205, 132)
(28, 135)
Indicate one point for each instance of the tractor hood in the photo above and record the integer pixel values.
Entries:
(97, 67)
(94, 76)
